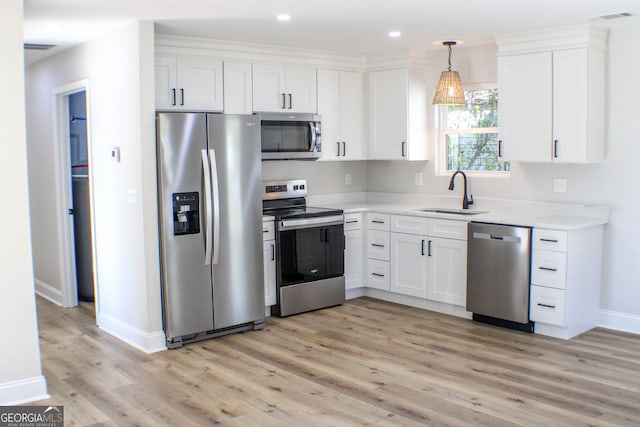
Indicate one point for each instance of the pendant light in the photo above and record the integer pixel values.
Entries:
(449, 90)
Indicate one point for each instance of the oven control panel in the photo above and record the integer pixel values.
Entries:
(284, 189)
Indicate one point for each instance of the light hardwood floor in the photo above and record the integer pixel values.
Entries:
(367, 362)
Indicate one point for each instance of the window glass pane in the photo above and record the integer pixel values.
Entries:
(474, 152)
(481, 110)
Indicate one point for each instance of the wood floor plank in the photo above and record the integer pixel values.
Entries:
(367, 362)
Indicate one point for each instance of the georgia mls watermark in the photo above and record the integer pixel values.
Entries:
(31, 416)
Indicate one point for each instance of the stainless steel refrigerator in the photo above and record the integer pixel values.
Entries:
(210, 207)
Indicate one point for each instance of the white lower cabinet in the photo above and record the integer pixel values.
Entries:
(354, 251)
(408, 265)
(269, 259)
(565, 281)
(447, 271)
(378, 274)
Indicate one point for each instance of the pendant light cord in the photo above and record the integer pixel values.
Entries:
(449, 57)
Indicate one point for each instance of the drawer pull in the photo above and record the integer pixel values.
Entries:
(353, 221)
(546, 305)
(547, 269)
(377, 274)
(376, 221)
(265, 231)
(549, 240)
(377, 245)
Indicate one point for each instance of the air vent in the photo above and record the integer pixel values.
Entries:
(38, 46)
(615, 16)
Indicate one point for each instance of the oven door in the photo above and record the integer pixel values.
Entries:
(310, 251)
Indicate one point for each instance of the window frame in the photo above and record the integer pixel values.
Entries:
(442, 131)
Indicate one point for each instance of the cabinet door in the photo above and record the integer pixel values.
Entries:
(165, 76)
(447, 271)
(329, 108)
(408, 265)
(350, 115)
(301, 84)
(238, 88)
(525, 107)
(570, 105)
(200, 84)
(269, 93)
(354, 258)
(268, 256)
(388, 114)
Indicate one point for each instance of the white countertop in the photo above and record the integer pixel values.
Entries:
(500, 215)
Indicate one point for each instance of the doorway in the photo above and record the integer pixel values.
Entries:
(74, 196)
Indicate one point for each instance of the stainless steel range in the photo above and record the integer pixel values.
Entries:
(309, 249)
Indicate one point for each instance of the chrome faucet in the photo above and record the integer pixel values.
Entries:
(465, 200)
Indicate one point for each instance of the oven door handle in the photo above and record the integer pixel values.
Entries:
(296, 224)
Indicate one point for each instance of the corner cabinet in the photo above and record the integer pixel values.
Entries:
(340, 102)
(398, 114)
(552, 96)
(188, 83)
(284, 89)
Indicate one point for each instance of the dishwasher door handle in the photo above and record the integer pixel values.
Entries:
(502, 238)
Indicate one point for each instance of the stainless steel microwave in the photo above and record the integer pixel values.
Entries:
(290, 136)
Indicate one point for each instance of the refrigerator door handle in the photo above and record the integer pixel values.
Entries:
(215, 196)
(207, 207)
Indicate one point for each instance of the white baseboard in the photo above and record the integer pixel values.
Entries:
(23, 391)
(619, 321)
(149, 342)
(48, 292)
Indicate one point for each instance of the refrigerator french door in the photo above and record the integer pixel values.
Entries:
(209, 185)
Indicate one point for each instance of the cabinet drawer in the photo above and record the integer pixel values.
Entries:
(378, 245)
(448, 229)
(408, 224)
(352, 221)
(549, 268)
(378, 221)
(268, 230)
(378, 274)
(547, 305)
(550, 240)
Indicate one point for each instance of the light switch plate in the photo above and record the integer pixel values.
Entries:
(418, 179)
(347, 179)
(559, 185)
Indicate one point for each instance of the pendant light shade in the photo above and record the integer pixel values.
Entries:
(449, 90)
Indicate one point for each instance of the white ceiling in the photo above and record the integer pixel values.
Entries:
(347, 26)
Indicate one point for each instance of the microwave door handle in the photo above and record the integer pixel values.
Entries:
(207, 207)
(312, 128)
(215, 196)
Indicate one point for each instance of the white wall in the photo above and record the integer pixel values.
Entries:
(612, 183)
(120, 70)
(21, 377)
(322, 177)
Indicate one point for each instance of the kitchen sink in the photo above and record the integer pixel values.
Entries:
(451, 211)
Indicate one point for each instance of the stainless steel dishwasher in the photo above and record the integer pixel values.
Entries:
(498, 274)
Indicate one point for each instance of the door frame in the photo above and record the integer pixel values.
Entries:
(64, 195)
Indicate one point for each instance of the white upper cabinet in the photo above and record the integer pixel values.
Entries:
(284, 89)
(238, 88)
(398, 114)
(340, 104)
(188, 83)
(552, 97)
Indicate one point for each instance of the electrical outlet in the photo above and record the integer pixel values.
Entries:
(418, 179)
(347, 179)
(559, 185)
(132, 196)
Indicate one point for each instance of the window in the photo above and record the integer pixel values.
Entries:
(470, 134)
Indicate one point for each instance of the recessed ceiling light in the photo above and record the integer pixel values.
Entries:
(394, 34)
(615, 16)
(284, 17)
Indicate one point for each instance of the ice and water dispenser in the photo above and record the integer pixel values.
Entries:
(186, 213)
